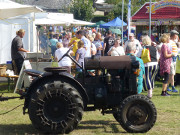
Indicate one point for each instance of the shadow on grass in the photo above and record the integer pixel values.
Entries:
(108, 126)
(4, 87)
(21, 129)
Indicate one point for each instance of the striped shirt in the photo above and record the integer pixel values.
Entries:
(173, 47)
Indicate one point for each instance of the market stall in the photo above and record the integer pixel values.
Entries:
(14, 16)
(165, 17)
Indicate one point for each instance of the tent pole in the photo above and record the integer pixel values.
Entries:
(37, 48)
(122, 21)
(150, 19)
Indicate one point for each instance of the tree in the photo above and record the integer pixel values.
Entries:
(82, 10)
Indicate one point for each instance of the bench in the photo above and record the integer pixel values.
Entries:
(9, 79)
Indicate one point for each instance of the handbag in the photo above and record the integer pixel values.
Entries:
(145, 56)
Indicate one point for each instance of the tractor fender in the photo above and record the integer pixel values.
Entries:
(62, 75)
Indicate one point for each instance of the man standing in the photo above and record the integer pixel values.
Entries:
(17, 51)
(131, 50)
(173, 47)
(87, 42)
(74, 41)
(135, 41)
(97, 42)
(108, 43)
(53, 43)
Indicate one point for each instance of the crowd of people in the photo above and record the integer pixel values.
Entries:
(87, 43)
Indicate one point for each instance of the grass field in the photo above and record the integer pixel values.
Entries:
(93, 123)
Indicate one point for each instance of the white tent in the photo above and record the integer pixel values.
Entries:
(9, 27)
(10, 9)
(46, 21)
(58, 19)
(53, 18)
(79, 23)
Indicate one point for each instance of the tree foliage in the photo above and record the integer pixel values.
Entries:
(82, 9)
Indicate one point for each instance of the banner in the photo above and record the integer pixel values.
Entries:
(163, 4)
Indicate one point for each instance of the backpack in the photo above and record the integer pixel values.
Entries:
(145, 56)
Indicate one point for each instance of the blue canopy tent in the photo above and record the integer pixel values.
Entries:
(117, 22)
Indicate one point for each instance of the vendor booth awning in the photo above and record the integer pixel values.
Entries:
(46, 21)
(97, 24)
(79, 23)
(116, 31)
(11, 9)
(117, 22)
(169, 12)
(62, 19)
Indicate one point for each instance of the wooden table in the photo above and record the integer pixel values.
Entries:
(9, 79)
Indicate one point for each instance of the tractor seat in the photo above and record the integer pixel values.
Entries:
(55, 69)
(33, 73)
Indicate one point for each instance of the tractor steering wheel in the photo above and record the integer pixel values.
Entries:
(66, 54)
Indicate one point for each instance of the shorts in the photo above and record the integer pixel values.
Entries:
(173, 68)
(166, 78)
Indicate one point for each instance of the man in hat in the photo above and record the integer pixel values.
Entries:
(135, 41)
(173, 47)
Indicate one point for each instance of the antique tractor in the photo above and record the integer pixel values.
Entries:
(55, 100)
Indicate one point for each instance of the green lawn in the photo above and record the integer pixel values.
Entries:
(93, 123)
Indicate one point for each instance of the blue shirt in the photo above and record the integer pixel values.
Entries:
(141, 73)
(97, 43)
(53, 41)
(87, 45)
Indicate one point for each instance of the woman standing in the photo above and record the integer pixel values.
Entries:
(165, 62)
(65, 40)
(116, 50)
(151, 67)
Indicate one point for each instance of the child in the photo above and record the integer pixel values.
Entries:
(80, 54)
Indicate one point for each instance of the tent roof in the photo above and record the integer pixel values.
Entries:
(46, 21)
(11, 9)
(117, 22)
(97, 24)
(117, 31)
(162, 13)
(79, 23)
(58, 19)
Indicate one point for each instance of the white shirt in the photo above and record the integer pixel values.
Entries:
(66, 61)
(136, 42)
(87, 45)
(118, 51)
(93, 47)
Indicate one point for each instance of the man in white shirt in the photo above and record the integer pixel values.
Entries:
(135, 41)
(87, 43)
(66, 61)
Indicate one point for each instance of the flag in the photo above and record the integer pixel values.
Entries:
(129, 18)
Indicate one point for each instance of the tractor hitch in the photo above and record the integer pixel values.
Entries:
(7, 98)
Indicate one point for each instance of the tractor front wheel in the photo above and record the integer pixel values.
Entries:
(136, 114)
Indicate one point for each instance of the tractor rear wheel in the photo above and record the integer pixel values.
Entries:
(55, 107)
(136, 114)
